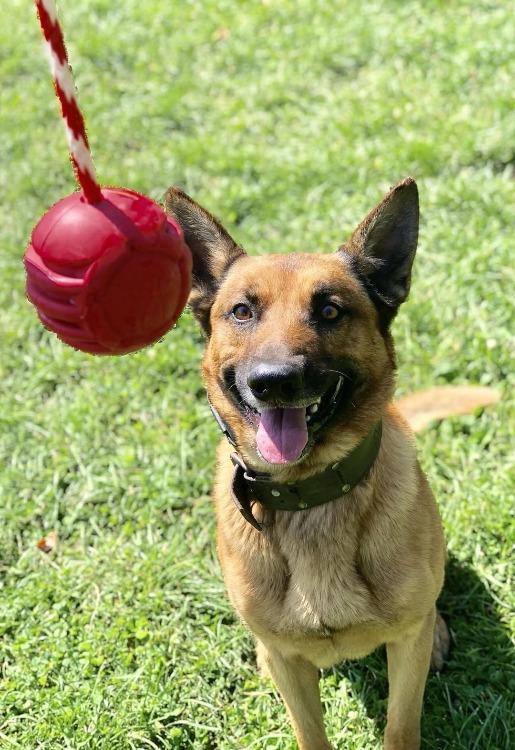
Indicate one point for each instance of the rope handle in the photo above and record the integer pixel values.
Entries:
(66, 93)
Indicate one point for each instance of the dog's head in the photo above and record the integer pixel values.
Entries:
(299, 359)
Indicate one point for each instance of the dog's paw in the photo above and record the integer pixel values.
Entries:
(441, 644)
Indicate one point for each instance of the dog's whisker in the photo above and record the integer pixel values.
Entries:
(339, 372)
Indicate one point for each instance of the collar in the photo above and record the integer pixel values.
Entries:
(249, 487)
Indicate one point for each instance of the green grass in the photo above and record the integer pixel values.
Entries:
(288, 120)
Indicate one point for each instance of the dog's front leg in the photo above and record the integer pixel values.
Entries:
(408, 665)
(297, 681)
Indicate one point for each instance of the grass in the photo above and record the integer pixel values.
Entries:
(288, 120)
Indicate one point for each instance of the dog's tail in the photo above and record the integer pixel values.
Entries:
(422, 407)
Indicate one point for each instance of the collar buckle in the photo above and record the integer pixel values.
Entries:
(249, 474)
(240, 491)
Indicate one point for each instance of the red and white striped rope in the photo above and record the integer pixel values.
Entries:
(65, 90)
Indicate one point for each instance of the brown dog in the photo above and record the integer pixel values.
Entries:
(328, 533)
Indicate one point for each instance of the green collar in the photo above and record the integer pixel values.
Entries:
(250, 487)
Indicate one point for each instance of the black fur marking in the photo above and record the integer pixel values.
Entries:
(386, 308)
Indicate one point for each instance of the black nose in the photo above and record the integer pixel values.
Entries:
(282, 382)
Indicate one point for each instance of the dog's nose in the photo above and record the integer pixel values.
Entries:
(282, 382)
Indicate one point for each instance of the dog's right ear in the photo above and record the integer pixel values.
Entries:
(212, 248)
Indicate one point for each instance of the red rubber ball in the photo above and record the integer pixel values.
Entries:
(109, 277)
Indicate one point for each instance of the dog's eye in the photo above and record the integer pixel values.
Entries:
(242, 312)
(330, 312)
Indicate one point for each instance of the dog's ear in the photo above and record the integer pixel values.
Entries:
(212, 248)
(383, 247)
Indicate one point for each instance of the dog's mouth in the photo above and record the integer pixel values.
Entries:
(285, 433)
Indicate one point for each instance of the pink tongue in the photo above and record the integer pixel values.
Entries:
(282, 435)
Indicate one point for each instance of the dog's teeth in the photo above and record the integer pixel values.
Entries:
(313, 408)
(308, 418)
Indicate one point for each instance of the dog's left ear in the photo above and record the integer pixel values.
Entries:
(212, 248)
(383, 247)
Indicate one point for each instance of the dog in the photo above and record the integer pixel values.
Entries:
(329, 537)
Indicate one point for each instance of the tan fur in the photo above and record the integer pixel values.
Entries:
(285, 283)
(423, 407)
(336, 581)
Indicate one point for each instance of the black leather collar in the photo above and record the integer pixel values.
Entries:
(249, 487)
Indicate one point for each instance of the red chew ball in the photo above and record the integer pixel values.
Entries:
(109, 277)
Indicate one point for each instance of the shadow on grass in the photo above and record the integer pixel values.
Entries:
(471, 704)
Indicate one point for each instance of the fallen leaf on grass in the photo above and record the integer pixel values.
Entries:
(220, 35)
(421, 408)
(48, 543)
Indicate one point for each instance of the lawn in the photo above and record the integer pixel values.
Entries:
(288, 119)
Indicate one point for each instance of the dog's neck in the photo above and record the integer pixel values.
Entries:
(336, 480)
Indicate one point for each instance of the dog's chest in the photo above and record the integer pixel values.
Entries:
(325, 592)
(307, 581)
